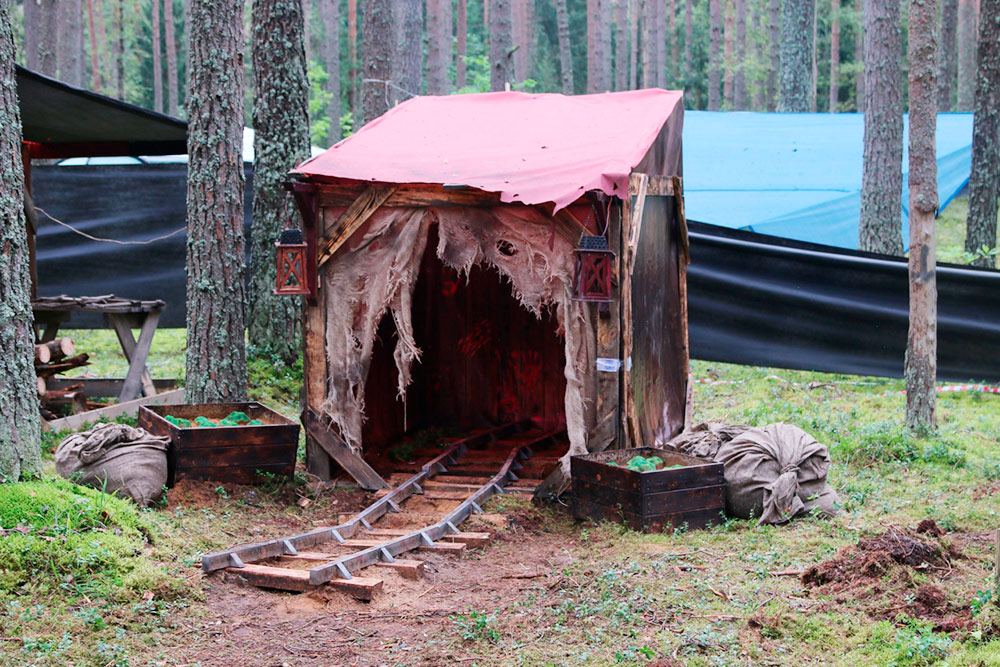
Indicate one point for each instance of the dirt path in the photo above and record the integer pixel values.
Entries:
(410, 622)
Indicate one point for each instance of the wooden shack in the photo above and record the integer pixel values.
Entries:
(443, 245)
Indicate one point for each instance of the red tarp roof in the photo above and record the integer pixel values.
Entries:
(529, 148)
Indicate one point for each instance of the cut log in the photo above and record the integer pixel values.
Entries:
(60, 348)
(48, 370)
(77, 400)
(42, 354)
(40, 382)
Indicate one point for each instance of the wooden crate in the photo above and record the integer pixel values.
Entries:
(235, 454)
(692, 497)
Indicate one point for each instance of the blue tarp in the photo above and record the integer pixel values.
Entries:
(798, 176)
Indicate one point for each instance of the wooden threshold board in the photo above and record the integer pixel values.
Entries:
(266, 576)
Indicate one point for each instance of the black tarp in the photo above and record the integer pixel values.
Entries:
(753, 299)
(67, 121)
(767, 301)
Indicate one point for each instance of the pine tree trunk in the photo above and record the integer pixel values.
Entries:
(948, 61)
(501, 38)
(967, 19)
(728, 57)
(882, 179)
(330, 52)
(815, 63)
(157, 62)
(519, 27)
(797, 84)
(408, 49)
(439, 41)
(119, 63)
(20, 433)
(633, 44)
(675, 58)
(921, 345)
(32, 29)
(621, 44)
(70, 44)
(859, 56)
(834, 55)
(758, 87)
(565, 54)
(984, 184)
(714, 54)
(102, 41)
(648, 44)
(461, 42)
(660, 22)
(688, 39)
(376, 58)
(95, 66)
(173, 85)
(48, 38)
(281, 122)
(593, 47)
(604, 39)
(774, 51)
(216, 300)
(114, 46)
(353, 90)
(739, 76)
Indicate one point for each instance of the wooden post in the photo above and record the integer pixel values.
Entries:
(314, 353)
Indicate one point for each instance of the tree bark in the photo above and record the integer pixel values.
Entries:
(688, 39)
(521, 32)
(728, 59)
(621, 44)
(633, 44)
(330, 52)
(32, 30)
(759, 91)
(173, 85)
(714, 54)
(948, 60)
(739, 75)
(675, 58)
(20, 434)
(281, 139)
(565, 54)
(376, 58)
(439, 40)
(95, 66)
(501, 40)
(984, 183)
(879, 229)
(967, 21)
(408, 52)
(461, 42)
(353, 91)
(797, 85)
(859, 56)
(117, 49)
(660, 23)
(604, 69)
(157, 62)
(216, 300)
(774, 51)
(648, 44)
(921, 345)
(70, 43)
(48, 38)
(102, 41)
(834, 55)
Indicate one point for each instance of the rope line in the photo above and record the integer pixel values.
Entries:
(97, 238)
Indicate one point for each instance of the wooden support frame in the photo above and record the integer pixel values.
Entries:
(137, 380)
(360, 210)
(346, 458)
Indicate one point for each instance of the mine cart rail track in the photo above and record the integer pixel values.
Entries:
(380, 546)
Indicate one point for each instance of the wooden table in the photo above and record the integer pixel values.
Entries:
(121, 315)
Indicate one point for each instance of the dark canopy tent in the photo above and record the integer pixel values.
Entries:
(60, 121)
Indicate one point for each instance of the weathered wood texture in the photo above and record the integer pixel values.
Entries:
(320, 433)
(236, 454)
(131, 409)
(693, 496)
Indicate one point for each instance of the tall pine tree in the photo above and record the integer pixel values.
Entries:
(216, 300)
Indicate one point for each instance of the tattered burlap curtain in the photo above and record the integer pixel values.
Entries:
(377, 272)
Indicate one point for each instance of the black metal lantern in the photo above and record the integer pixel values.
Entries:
(292, 259)
(594, 264)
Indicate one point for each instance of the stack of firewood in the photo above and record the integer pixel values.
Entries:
(52, 358)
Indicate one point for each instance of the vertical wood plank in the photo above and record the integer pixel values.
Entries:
(314, 367)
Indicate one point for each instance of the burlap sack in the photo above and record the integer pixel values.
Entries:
(776, 473)
(704, 440)
(116, 458)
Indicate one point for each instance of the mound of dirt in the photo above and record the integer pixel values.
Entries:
(874, 556)
(929, 527)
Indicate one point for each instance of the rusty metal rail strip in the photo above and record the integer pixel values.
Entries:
(290, 546)
(390, 549)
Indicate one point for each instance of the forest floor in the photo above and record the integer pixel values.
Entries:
(863, 588)
(553, 591)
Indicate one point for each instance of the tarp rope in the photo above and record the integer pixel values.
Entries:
(96, 238)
